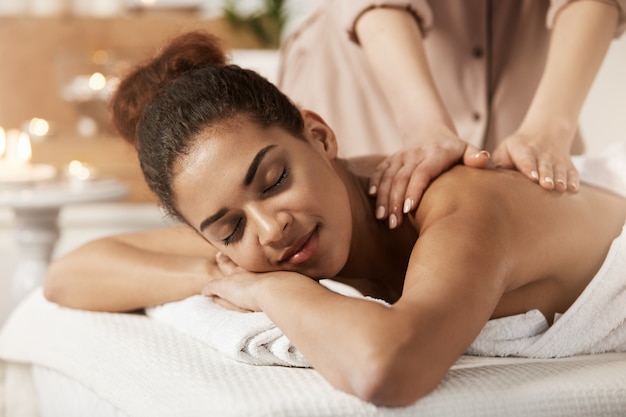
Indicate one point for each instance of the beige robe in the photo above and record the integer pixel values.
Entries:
(486, 56)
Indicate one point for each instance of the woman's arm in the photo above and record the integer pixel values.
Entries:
(394, 355)
(127, 272)
(392, 42)
(540, 148)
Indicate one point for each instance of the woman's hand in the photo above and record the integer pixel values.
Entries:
(236, 288)
(400, 180)
(545, 161)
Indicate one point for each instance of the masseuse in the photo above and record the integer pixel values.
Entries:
(419, 80)
(267, 209)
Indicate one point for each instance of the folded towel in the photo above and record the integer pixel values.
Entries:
(247, 337)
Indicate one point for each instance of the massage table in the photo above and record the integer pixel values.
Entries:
(56, 361)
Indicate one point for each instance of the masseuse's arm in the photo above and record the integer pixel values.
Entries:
(540, 148)
(392, 42)
(395, 355)
(127, 272)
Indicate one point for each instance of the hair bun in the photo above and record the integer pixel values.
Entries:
(184, 53)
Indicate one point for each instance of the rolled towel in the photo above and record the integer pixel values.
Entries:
(246, 337)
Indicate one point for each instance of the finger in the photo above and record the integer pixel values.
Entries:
(573, 180)
(384, 190)
(417, 185)
(422, 176)
(398, 193)
(475, 158)
(376, 177)
(546, 174)
(560, 178)
(527, 165)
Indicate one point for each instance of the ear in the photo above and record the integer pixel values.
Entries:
(319, 134)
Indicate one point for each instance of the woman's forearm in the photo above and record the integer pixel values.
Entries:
(392, 42)
(581, 35)
(347, 340)
(112, 274)
(381, 354)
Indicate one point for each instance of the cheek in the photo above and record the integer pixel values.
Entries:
(248, 257)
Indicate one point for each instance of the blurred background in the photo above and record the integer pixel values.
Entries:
(61, 59)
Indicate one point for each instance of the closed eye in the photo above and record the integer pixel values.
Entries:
(239, 226)
(281, 179)
(235, 233)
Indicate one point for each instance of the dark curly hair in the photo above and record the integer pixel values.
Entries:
(162, 106)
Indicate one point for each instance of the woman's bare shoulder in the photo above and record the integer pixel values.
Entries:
(474, 190)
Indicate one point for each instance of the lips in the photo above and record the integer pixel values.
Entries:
(302, 249)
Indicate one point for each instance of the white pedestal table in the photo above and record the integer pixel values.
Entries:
(36, 208)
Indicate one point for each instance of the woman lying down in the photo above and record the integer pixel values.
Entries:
(268, 209)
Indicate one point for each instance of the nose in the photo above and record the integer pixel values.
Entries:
(270, 224)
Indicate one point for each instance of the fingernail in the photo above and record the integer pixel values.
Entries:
(483, 153)
(393, 221)
(380, 212)
(549, 180)
(373, 190)
(560, 181)
(408, 203)
(574, 186)
(534, 174)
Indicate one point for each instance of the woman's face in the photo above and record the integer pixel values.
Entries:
(266, 199)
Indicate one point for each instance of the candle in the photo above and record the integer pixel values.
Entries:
(15, 166)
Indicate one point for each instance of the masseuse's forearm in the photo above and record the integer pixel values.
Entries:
(109, 275)
(581, 35)
(392, 42)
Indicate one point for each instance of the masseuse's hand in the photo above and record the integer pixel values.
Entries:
(400, 180)
(543, 160)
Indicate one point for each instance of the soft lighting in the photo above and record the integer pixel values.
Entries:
(38, 127)
(97, 81)
(3, 142)
(79, 171)
(24, 150)
(15, 166)
(100, 57)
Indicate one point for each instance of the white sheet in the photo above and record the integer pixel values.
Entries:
(144, 368)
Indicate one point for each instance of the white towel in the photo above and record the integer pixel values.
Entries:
(595, 323)
(247, 337)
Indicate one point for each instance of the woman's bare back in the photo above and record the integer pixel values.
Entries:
(559, 240)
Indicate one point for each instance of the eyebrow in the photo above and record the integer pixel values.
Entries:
(250, 174)
(254, 166)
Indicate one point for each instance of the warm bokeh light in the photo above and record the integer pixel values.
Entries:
(97, 81)
(38, 127)
(24, 150)
(77, 170)
(100, 57)
(3, 142)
